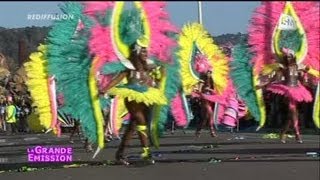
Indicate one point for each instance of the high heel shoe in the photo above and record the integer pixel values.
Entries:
(197, 134)
(213, 134)
(121, 159)
(299, 139)
(283, 138)
(146, 156)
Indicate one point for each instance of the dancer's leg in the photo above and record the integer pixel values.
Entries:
(203, 118)
(295, 120)
(287, 124)
(139, 113)
(210, 119)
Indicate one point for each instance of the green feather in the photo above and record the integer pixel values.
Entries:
(113, 68)
(291, 39)
(69, 61)
(241, 74)
(131, 27)
(104, 102)
(172, 87)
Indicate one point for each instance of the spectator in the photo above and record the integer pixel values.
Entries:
(2, 113)
(11, 116)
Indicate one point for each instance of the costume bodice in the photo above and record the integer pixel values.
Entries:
(291, 75)
(139, 78)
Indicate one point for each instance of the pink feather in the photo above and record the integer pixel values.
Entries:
(308, 13)
(160, 45)
(93, 7)
(178, 111)
(100, 46)
(264, 21)
(202, 65)
(242, 109)
(212, 98)
(299, 94)
(115, 129)
(53, 104)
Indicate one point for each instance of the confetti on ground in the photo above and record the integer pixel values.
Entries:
(28, 169)
(237, 138)
(271, 136)
(214, 160)
(74, 165)
(212, 146)
(275, 136)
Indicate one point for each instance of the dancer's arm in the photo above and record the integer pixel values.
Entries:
(115, 81)
(200, 86)
(303, 75)
(209, 89)
(268, 81)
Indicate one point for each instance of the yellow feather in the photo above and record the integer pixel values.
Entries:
(195, 33)
(152, 96)
(38, 85)
(316, 107)
(261, 104)
(95, 103)
(314, 72)
(269, 68)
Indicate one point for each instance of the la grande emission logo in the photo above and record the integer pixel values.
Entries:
(50, 154)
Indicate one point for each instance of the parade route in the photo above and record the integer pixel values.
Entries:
(229, 156)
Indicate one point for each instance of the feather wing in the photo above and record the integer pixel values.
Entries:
(71, 64)
(37, 83)
(244, 81)
(266, 37)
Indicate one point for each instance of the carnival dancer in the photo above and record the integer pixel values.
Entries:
(134, 92)
(291, 87)
(204, 71)
(283, 46)
(125, 49)
(206, 87)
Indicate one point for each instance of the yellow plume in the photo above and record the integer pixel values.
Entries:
(195, 34)
(38, 85)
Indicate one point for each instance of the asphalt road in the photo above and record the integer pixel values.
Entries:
(181, 156)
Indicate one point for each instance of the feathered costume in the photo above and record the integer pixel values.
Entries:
(233, 109)
(177, 104)
(74, 69)
(42, 89)
(275, 27)
(244, 81)
(115, 31)
(43, 92)
(198, 54)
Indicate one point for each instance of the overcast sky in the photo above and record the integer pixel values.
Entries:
(218, 17)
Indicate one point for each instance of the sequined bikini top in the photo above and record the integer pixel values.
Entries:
(137, 77)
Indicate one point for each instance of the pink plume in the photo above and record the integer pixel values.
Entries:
(309, 13)
(161, 44)
(263, 22)
(100, 45)
(178, 111)
(202, 65)
(298, 94)
(93, 7)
